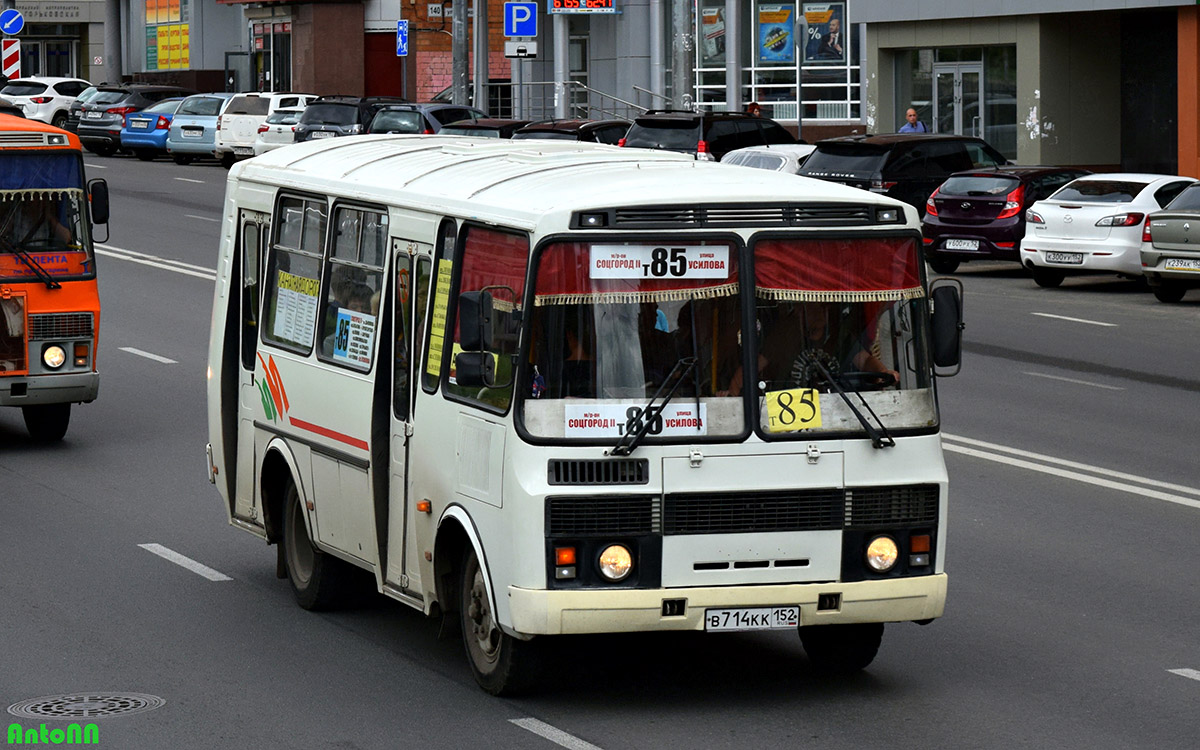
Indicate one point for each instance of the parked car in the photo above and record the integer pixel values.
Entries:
(8, 108)
(145, 132)
(499, 97)
(980, 214)
(1170, 260)
(706, 135)
(45, 99)
(278, 130)
(908, 167)
(782, 157)
(237, 128)
(488, 127)
(1094, 224)
(334, 116)
(417, 119)
(102, 118)
(193, 132)
(75, 108)
(587, 131)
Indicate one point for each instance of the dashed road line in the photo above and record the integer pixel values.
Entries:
(1075, 320)
(1191, 674)
(185, 562)
(189, 179)
(1074, 380)
(202, 218)
(554, 734)
(148, 355)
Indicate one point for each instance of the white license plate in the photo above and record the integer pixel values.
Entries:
(961, 244)
(192, 133)
(243, 151)
(139, 124)
(1076, 258)
(751, 618)
(93, 115)
(322, 134)
(1181, 264)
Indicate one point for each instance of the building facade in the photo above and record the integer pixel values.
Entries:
(62, 38)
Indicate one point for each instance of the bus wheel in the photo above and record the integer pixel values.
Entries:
(47, 423)
(842, 649)
(316, 577)
(502, 664)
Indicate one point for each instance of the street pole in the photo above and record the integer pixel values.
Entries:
(481, 57)
(682, 74)
(112, 41)
(458, 52)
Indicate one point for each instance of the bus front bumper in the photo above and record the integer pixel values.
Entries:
(32, 390)
(539, 612)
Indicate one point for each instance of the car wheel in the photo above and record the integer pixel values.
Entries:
(227, 159)
(104, 150)
(60, 120)
(1047, 277)
(1169, 291)
(944, 265)
(842, 649)
(182, 159)
(145, 154)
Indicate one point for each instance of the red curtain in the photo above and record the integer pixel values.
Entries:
(492, 258)
(856, 269)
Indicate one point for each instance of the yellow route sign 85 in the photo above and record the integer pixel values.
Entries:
(793, 409)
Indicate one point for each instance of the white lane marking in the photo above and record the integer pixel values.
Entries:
(189, 179)
(1075, 476)
(201, 218)
(554, 734)
(94, 166)
(1076, 320)
(1191, 674)
(1075, 465)
(148, 355)
(185, 562)
(187, 269)
(1073, 380)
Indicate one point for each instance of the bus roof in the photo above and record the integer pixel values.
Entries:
(13, 128)
(518, 182)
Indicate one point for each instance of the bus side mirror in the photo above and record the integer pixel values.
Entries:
(475, 321)
(98, 192)
(947, 325)
(475, 369)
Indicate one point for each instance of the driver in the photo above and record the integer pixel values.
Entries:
(829, 333)
(34, 219)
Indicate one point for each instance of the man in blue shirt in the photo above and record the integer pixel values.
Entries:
(913, 125)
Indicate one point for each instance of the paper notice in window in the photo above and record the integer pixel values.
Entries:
(295, 308)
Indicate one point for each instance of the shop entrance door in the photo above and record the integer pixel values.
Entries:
(958, 94)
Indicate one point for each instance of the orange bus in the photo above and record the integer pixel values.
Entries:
(49, 306)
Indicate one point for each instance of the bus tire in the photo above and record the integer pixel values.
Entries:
(316, 577)
(47, 423)
(842, 649)
(502, 664)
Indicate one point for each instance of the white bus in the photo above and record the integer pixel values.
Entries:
(509, 380)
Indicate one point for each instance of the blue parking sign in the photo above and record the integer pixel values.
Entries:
(520, 19)
(402, 39)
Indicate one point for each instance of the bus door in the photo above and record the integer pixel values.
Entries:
(411, 267)
(253, 228)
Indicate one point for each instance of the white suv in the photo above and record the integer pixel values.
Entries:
(238, 127)
(43, 98)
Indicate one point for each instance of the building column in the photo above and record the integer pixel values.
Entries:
(1189, 90)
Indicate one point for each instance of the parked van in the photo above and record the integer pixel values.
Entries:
(238, 127)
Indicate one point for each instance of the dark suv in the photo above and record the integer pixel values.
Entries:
(706, 135)
(419, 119)
(588, 131)
(333, 116)
(103, 115)
(908, 167)
(980, 214)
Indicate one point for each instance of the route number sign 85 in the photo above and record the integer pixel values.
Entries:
(793, 410)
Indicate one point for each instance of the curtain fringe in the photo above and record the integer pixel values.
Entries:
(661, 295)
(813, 295)
(48, 193)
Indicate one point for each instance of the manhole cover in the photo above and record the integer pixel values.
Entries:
(85, 705)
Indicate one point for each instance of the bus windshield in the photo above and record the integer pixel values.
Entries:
(43, 227)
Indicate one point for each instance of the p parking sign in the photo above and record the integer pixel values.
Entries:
(520, 19)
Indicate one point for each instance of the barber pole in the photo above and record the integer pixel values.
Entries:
(10, 58)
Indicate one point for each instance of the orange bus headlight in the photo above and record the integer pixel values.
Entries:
(53, 356)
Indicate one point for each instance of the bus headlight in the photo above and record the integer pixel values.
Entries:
(616, 562)
(53, 356)
(882, 554)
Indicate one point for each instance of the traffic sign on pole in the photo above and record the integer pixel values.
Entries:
(10, 58)
(11, 21)
(402, 39)
(520, 19)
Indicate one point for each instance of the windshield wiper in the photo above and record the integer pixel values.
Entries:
(38, 269)
(630, 439)
(879, 437)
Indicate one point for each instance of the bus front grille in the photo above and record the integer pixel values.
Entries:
(712, 513)
(904, 505)
(563, 471)
(598, 515)
(50, 326)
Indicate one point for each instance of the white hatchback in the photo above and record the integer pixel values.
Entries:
(1094, 224)
(278, 130)
(45, 99)
(781, 157)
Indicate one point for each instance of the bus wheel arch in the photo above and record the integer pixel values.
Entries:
(278, 470)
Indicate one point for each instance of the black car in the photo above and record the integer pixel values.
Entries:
(706, 135)
(75, 109)
(488, 127)
(419, 119)
(335, 116)
(908, 167)
(980, 214)
(8, 108)
(588, 131)
(103, 116)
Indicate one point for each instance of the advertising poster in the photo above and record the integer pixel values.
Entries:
(824, 32)
(776, 24)
(712, 36)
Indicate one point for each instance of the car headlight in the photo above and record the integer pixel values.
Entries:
(53, 356)
(882, 554)
(616, 562)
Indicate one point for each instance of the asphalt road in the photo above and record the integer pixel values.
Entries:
(1075, 508)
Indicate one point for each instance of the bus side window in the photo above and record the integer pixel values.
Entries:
(293, 279)
(350, 298)
(494, 260)
(418, 286)
(251, 247)
(434, 349)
